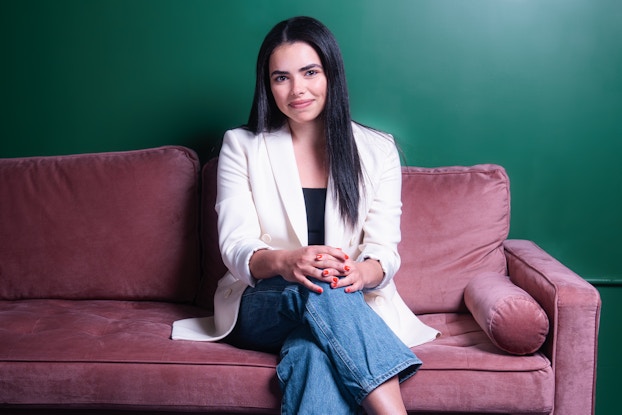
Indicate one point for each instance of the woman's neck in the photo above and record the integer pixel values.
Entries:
(311, 133)
(311, 157)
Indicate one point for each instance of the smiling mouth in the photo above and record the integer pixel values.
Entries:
(300, 104)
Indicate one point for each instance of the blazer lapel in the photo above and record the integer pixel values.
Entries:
(283, 163)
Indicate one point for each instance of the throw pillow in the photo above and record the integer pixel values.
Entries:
(510, 317)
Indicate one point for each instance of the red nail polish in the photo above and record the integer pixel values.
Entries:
(318, 256)
(320, 290)
(335, 280)
(334, 285)
(347, 257)
(325, 273)
(348, 290)
(347, 268)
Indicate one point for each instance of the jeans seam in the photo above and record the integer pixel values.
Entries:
(338, 348)
(366, 386)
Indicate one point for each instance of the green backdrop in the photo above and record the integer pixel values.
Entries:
(533, 85)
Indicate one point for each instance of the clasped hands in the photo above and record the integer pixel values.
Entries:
(317, 262)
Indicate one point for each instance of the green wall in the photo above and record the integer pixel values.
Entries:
(533, 85)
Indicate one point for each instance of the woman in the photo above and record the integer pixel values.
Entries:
(308, 215)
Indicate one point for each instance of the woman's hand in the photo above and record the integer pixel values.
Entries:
(319, 262)
(300, 265)
(357, 276)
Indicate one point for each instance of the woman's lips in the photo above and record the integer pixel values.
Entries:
(300, 104)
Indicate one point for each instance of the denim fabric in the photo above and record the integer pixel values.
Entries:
(334, 348)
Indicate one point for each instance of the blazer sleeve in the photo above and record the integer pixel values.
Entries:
(238, 224)
(381, 227)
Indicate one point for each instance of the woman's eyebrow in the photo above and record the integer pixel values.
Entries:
(277, 72)
(303, 69)
(310, 66)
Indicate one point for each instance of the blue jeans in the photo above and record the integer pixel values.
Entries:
(334, 348)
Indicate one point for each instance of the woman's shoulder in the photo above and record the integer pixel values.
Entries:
(375, 140)
(237, 141)
(239, 133)
(240, 139)
(243, 133)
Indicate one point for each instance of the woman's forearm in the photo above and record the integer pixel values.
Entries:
(266, 263)
(372, 272)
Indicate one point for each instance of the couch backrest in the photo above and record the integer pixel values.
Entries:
(213, 267)
(120, 225)
(454, 222)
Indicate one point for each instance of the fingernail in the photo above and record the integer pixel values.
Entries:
(334, 285)
(325, 272)
(335, 280)
(318, 256)
(320, 290)
(347, 257)
(348, 290)
(347, 268)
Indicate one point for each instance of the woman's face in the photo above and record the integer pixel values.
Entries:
(298, 82)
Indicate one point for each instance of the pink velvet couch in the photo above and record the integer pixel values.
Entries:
(100, 253)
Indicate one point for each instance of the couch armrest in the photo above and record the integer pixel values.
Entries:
(573, 309)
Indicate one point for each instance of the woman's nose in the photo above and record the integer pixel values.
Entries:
(297, 88)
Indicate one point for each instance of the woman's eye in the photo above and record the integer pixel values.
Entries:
(311, 72)
(280, 78)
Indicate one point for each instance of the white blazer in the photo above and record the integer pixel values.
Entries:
(260, 205)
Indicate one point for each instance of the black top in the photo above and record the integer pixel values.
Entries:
(315, 202)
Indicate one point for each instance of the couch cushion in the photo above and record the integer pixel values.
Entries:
(118, 354)
(510, 317)
(86, 353)
(454, 222)
(463, 372)
(120, 225)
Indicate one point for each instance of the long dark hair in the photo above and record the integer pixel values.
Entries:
(343, 156)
